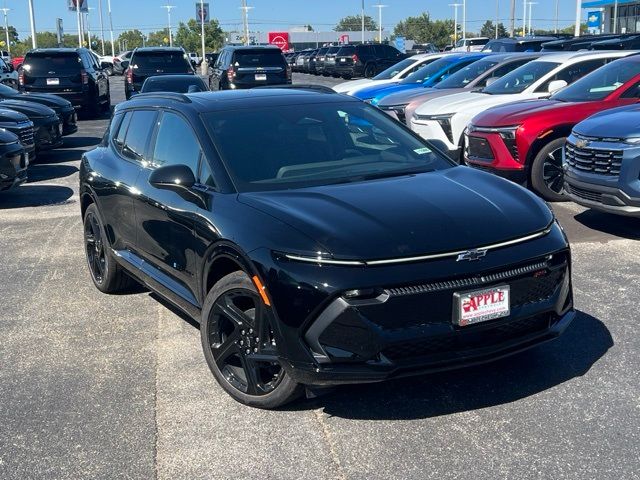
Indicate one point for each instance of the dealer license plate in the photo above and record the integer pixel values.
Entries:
(261, 77)
(481, 305)
(53, 81)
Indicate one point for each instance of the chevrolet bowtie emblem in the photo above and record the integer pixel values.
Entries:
(582, 143)
(471, 255)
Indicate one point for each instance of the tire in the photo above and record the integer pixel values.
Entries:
(547, 175)
(369, 70)
(10, 82)
(232, 306)
(111, 278)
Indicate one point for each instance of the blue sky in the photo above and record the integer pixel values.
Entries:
(148, 15)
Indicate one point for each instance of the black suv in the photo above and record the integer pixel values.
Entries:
(365, 60)
(248, 211)
(247, 67)
(72, 73)
(150, 61)
(13, 160)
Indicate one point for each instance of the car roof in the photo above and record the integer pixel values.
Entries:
(561, 57)
(156, 49)
(176, 76)
(258, 47)
(56, 50)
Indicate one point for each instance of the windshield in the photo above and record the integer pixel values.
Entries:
(395, 69)
(600, 83)
(428, 71)
(43, 63)
(521, 78)
(162, 60)
(178, 85)
(463, 77)
(320, 144)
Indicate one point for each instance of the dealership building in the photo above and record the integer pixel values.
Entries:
(298, 40)
(602, 13)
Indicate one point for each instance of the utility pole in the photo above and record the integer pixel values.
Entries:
(245, 21)
(32, 20)
(5, 11)
(512, 25)
(455, 22)
(380, 7)
(113, 47)
(101, 25)
(169, 8)
(79, 26)
(578, 17)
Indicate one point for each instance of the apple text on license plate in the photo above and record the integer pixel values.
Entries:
(53, 81)
(261, 77)
(481, 305)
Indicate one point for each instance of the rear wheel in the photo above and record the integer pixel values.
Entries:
(240, 346)
(369, 70)
(547, 174)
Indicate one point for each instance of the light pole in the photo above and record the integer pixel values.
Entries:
(362, 19)
(555, 30)
(512, 23)
(464, 19)
(101, 25)
(380, 7)
(497, 16)
(524, 18)
(531, 4)
(32, 21)
(169, 8)
(79, 25)
(455, 22)
(615, 17)
(578, 16)
(113, 47)
(5, 11)
(245, 20)
(203, 63)
(88, 26)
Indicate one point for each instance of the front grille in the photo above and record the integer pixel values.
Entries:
(513, 148)
(584, 194)
(470, 339)
(478, 147)
(594, 160)
(26, 136)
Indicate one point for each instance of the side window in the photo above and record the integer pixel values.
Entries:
(632, 92)
(140, 128)
(86, 62)
(573, 72)
(453, 69)
(176, 143)
(206, 177)
(118, 139)
(111, 131)
(502, 71)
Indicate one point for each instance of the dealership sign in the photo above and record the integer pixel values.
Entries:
(280, 40)
(202, 12)
(594, 22)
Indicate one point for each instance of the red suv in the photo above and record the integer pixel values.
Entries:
(523, 141)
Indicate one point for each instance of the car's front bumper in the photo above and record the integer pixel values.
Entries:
(68, 119)
(13, 167)
(431, 130)
(48, 134)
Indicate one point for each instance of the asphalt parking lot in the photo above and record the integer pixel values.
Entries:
(96, 386)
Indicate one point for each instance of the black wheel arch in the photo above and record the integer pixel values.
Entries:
(559, 131)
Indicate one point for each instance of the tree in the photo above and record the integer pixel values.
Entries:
(13, 35)
(158, 38)
(353, 23)
(422, 29)
(131, 38)
(188, 36)
(489, 30)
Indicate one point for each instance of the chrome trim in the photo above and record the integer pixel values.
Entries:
(322, 261)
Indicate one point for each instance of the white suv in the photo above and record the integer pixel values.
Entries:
(392, 74)
(445, 118)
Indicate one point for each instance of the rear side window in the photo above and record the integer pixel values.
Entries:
(258, 58)
(161, 60)
(573, 72)
(176, 143)
(138, 133)
(348, 51)
(42, 63)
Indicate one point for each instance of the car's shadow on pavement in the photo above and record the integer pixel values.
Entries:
(81, 142)
(60, 155)
(617, 225)
(500, 382)
(35, 196)
(40, 173)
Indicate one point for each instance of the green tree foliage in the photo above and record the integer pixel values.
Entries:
(157, 39)
(424, 30)
(132, 38)
(489, 30)
(353, 23)
(188, 36)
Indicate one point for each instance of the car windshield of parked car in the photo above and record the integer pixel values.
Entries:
(521, 78)
(600, 83)
(259, 58)
(43, 63)
(161, 60)
(394, 70)
(463, 77)
(191, 84)
(281, 147)
(428, 71)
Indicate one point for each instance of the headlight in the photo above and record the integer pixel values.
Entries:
(439, 117)
(508, 133)
(632, 140)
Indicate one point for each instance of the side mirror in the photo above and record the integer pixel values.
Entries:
(124, 64)
(104, 65)
(556, 85)
(490, 81)
(172, 177)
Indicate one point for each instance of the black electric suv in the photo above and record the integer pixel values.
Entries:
(151, 61)
(248, 67)
(317, 241)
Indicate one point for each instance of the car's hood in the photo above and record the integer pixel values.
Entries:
(11, 116)
(31, 109)
(623, 122)
(444, 211)
(408, 96)
(380, 90)
(47, 99)
(459, 102)
(351, 86)
(393, 89)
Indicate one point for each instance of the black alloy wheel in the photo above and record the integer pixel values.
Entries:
(240, 347)
(547, 172)
(94, 247)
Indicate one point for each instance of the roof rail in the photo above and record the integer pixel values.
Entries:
(178, 97)
(302, 86)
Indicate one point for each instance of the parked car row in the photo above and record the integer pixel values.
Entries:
(511, 115)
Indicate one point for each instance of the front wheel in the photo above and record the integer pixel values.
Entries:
(547, 173)
(240, 346)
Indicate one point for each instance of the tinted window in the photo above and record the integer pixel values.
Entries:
(258, 58)
(600, 83)
(42, 63)
(167, 61)
(188, 84)
(395, 69)
(503, 70)
(323, 143)
(140, 128)
(118, 139)
(573, 72)
(206, 177)
(467, 74)
(347, 51)
(521, 78)
(428, 71)
(176, 144)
